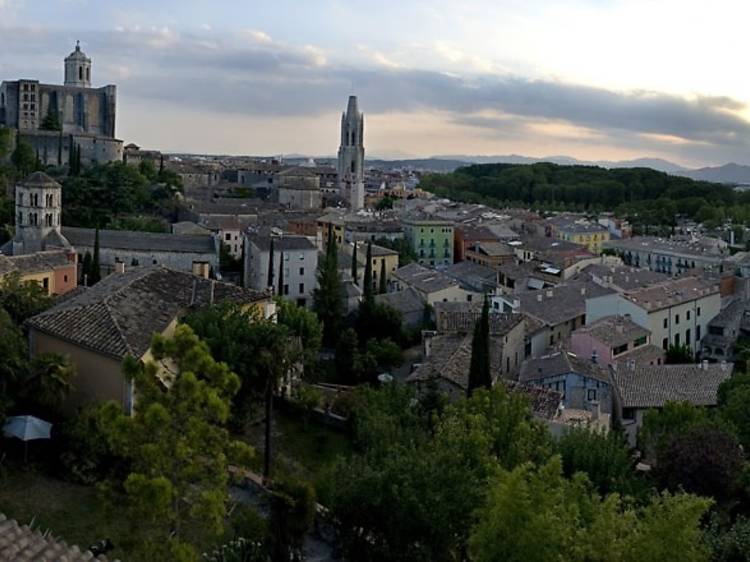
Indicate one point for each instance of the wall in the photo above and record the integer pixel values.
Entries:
(256, 272)
(181, 261)
(54, 149)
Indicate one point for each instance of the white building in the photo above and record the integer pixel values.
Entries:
(676, 312)
(299, 257)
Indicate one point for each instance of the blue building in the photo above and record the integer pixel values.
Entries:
(584, 383)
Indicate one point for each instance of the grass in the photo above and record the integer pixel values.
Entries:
(71, 512)
(303, 450)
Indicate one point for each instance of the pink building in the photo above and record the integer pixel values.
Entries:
(615, 339)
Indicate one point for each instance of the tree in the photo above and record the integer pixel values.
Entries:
(22, 299)
(86, 268)
(23, 158)
(51, 121)
(385, 203)
(355, 265)
(178, 445)
(47, 382)
(679, 354)
(291, 518)
(659, 426)
(347, 357)
(704, 460)
(734, 408)
(383, 278)
(480, 374)
(304, 324)
(603, 456)
(327, 296)
(269, 280)
(13, 364)
(281, 274)
(96, 271)
(368, 298)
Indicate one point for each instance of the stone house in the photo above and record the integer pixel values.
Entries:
(54, 270)
(614, 339)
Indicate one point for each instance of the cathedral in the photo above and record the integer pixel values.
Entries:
(53, 118)
(351, 164)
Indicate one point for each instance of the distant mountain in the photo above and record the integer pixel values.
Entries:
(728, 173)
(654, 163)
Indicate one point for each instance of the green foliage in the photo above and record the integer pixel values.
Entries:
(328, 301)
(702, 459)
(368, 291)
(178, 446)
(355, 266)
(383, 279)
(648, 197)
(385, 203)
(603, 456)
(292, 515)
(679, 355)
(730, 544)
(51, 121)
(379, 321)
(304, 324)
(22, 299)
(254, 348)
(23, 158)
(535, 514)
(480, 374)
(659, 426)
(140, 223)
(5, 141)
(734, 406)
(96, 270)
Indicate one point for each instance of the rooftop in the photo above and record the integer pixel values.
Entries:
(622, 277)
(672, 292)
(562, 303)
(472, 276)
(286, 243)
(561, 363)
(461, 317)
(614, 330)
(424, 279)
(119, 315)
(652, 386)
(33, 263)
(406, 301)
(141, 241)
(703, 248)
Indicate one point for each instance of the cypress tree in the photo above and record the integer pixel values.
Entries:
(281, 274)
(161, 164)
(327, 296)
(480, 374)
(59, 148)
(86, 269)
(269, 281)
(95, 264)
(383, 283)
(367, 290)
(78, 160)
(354, 264)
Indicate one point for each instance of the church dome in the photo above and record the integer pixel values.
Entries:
(77, 54)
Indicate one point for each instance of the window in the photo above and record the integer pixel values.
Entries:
(639, 341)
(677, 340)
(552, 339)
(687, 315)
(687, 337)
(45, 283)
(286, 289)
(65, 278)
(227, 236)
(628, 413)
(665, 343)
(591, 394)
(620, 349)
(301, 257)
(676, 319)
(80, 73)
(666, 323)
(301, 288)
(698, 311)
(697, 333)
(301, 270)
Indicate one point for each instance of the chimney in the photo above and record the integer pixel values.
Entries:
(550, 294)
(594, 356)
(583, 291)
(539, 297)
(119, 266)
(201, 269)
(704, 365)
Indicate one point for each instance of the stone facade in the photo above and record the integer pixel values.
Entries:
(351, 160)
(298, 188)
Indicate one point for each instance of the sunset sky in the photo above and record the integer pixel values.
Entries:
(593, 79)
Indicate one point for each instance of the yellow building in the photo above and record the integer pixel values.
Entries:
(582, 232)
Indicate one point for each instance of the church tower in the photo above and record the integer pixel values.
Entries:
(351, 165)
(38, 210)
(78, 68)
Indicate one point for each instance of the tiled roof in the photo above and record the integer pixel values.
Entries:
(672, 292)
(37, 262)
(141, 241)
(119, 315)
(494, 249)
(406, 301)
(614, 330)
(424, 279)
(652, 386)
(622, 277)
(561, 363)
(286, 243)
(21, 543)
(461, 317)
(561, 303)
(472, 276)
(544, 402)
(40, 179)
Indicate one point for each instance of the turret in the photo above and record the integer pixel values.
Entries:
(78, 68)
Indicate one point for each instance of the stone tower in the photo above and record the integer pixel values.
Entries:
(38, 210)
(351, 166)
(78, 68)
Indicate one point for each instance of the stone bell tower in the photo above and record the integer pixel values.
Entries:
(38, 210)
(78, 68)
(351, 164)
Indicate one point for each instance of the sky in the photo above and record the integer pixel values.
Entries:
(592, 79)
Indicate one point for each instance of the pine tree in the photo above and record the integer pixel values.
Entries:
(327, 297)
(95, 264)
(383, 282)
(480, 374)
(281, 274)
(269, 281)
(367, 290)
(354, 264)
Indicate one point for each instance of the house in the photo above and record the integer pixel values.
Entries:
(579, 231)
(408, 302)
(174, 251)
(640, 388)
(559, 310)
(432, 285)
(300, 257)
(468, 235)
(584, 383)
(621, 278)
(473, 277)
(676, 312)
(490, 254)
(229, 229)
(381, 258)
(55, 270)
(671, 255)
(99, 326)
(615, 339)
(431, 239)
(724, 329)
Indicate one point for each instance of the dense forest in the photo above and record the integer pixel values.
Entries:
(647, 196)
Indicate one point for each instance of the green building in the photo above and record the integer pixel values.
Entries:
(431, 240)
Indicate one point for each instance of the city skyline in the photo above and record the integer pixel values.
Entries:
(588, 79)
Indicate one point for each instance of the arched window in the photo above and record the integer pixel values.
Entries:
(80, 73)
(88, 75)
(20, 218)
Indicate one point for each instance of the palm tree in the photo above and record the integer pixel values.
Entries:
(48, 381)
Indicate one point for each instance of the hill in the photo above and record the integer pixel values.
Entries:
(728, 173)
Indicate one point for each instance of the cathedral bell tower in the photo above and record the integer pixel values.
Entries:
(38, 210)
(78, 68)
(351, 164)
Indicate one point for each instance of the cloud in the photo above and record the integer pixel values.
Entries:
(251, 74)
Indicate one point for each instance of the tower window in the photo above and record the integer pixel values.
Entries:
(80, 73)
(88, 75)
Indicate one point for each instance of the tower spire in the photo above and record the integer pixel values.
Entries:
(351, 159)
